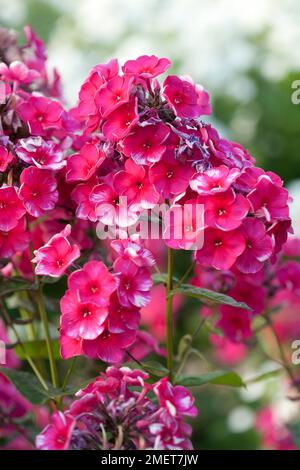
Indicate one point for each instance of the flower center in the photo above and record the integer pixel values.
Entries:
(170, 174)
(3, 205)
(147, 145)
(105, 334)
(139, 185)
(86, 313)
(218, 243)
(221, 211)
(59, 263)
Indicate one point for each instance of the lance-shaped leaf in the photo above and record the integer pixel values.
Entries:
(208, 296)
(217, 377)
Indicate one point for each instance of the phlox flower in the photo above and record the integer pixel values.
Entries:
(57, 255)
(111, 208)
(169, 176)
(109, 347)
(121, 318)
(120, 121)
(214, 180)
(269, 200)
(134, 283)
(93, 283)
(235, 323)
(57, 435)
(221, 248)
(187, 100)
(11, 208)
(40, 114)
(16, 239)
(113, 94)
(225, 211)
(81, 166)
(86, 209)
(146, 143)
(132, 249)
(81, 319)
(18, 72)
(38, 190)
(69, 347)
(184, 226)
(6, 157)
(146, 66)
(259, 246)
(41, 153)
(176, 400)
(133, 183)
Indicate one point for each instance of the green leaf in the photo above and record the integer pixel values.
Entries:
(162, 278)
(37, 349)
(155, 368)
(217, 377)
(15, 284)
(294, 429)
(208, 296)
(29, 386)
(265, 376)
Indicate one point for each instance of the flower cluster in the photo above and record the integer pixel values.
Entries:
(116, 411)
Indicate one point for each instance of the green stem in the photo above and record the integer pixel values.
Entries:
(27, 357)
(68, 374)
(186, 275)
(169, 319)
(44, 318)
(283, 358)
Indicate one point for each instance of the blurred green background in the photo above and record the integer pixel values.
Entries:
(247, 55)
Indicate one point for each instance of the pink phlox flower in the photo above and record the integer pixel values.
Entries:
(93, 283)
(43, 154)
(16, 239)
(133, 182)
(133, 250)
(57, 435)
(40, 114)
(187, 100)
(269, 200)
(85, 209)
(146, 66)
(146, 143)
(177, 400)
(11, 208)
(81, 166)
(226, 210)
(184, 226)
(169, 176)
(85, 320)
(221, 248)
(134, 283)
(6, 157)
(18, 72)
(38, 190)
(259, 246)
(214, 180)
(119, 122)
(113, 94)
(57, 255)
